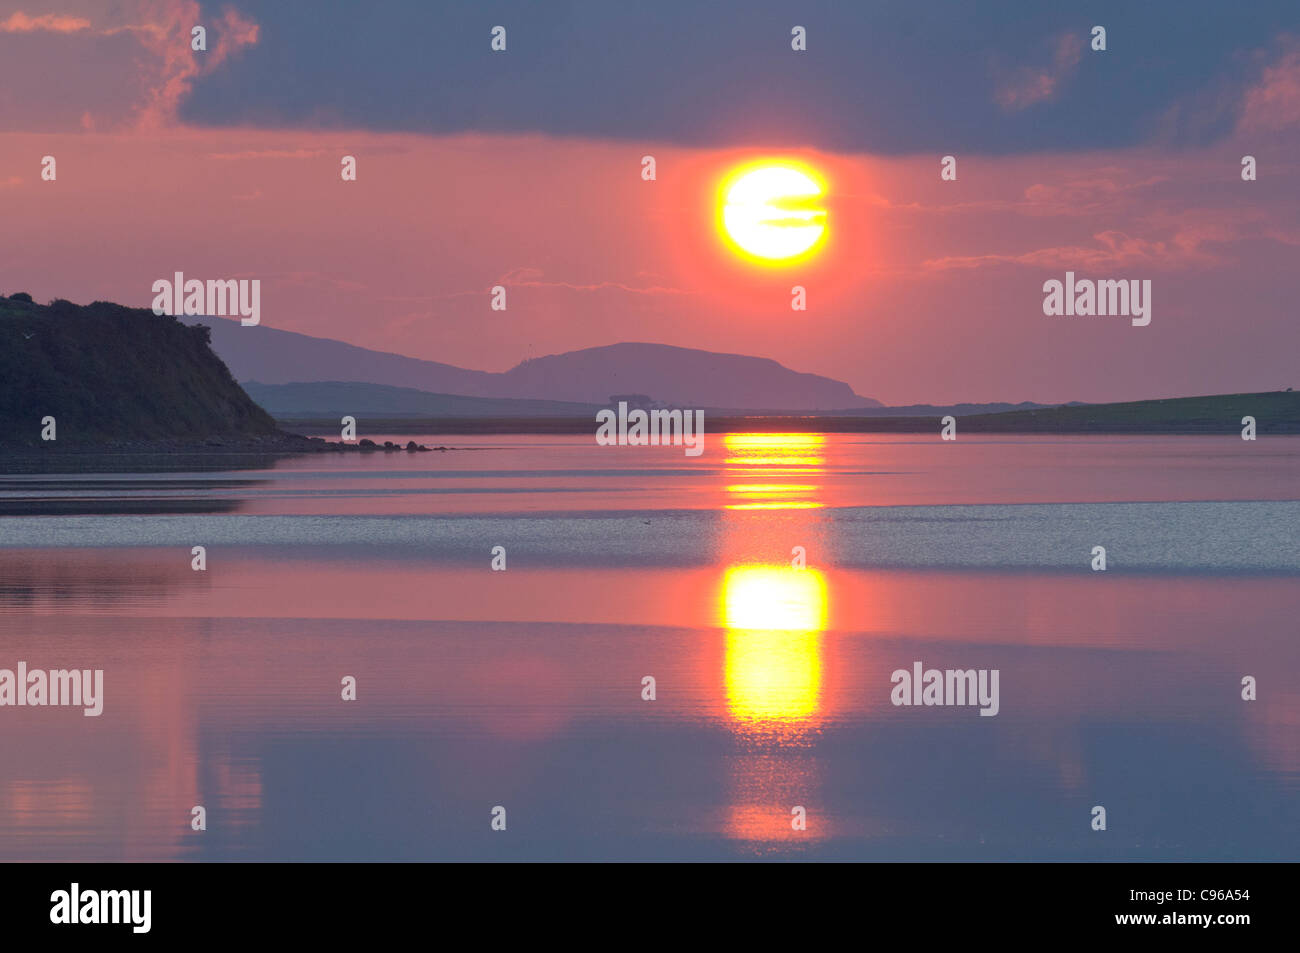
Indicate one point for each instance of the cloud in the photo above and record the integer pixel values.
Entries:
(891, 79)
(528, 277)
(309, 278)
(1274, 102)
(698, 75)
(168, 37)
(1098, 190)
(269, 154)
(1113, 249)
(20, 22)
(531, 278)
(1027, 86)
(131, 66)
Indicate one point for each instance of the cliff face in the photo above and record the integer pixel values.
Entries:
(108, 374)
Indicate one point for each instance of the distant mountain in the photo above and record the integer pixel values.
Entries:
(271, 356)
(678, 376)
(337, 398)
(332, 399)
(106, 373)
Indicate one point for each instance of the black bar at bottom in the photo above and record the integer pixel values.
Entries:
(331, 902)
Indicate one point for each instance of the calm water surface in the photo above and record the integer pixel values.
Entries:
(523, 688)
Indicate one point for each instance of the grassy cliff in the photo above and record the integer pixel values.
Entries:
(115, 375)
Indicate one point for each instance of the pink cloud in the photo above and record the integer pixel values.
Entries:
(1088, 194)
(20, 22)
(315, 278)
(1027, 85)
(167, 35)
(1274, 103)
(531, 278)
(270, 154)
(1113, 248)
(135, 63)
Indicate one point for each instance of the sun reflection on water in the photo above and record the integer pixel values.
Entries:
(793, 459)
(774, 616)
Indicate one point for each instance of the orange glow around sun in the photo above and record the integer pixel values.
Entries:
(770, 211)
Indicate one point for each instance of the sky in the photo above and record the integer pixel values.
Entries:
(522, 169)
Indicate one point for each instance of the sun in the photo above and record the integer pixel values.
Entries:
(770, 211)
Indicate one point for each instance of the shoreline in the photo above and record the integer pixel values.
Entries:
(801, 424)
(281, 444)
